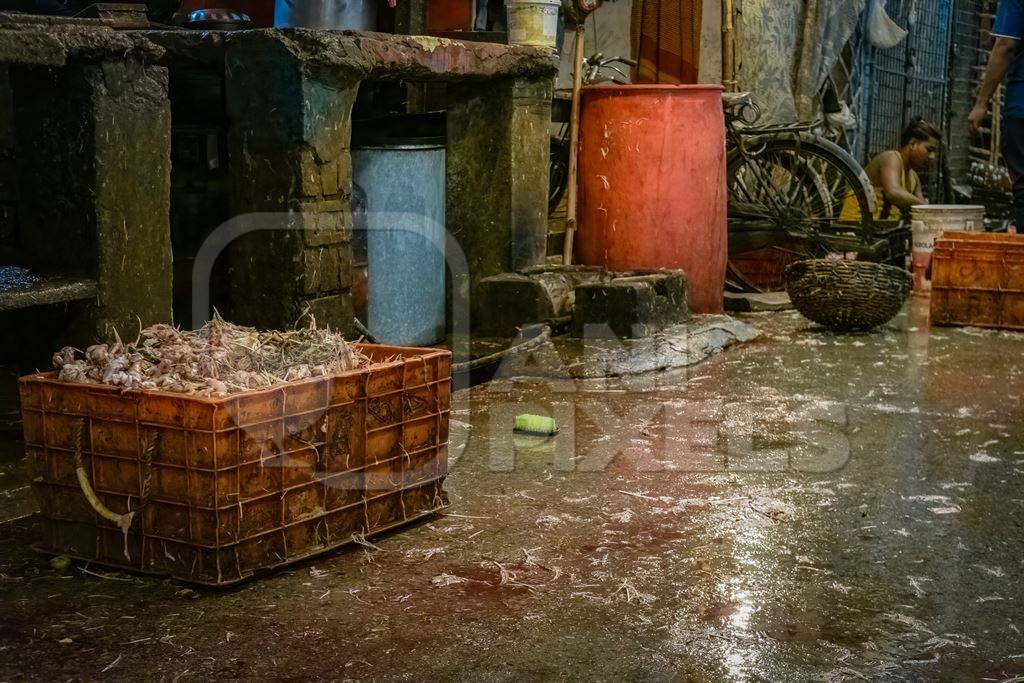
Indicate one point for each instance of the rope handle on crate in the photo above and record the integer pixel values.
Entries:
(124, 521)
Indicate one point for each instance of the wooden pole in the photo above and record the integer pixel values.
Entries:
(574, 145)
(728, 46)
(995, 141)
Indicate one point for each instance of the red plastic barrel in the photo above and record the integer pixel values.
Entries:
(450, 15)
(652, 184)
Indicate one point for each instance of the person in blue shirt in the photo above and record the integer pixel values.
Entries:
(1006, 62)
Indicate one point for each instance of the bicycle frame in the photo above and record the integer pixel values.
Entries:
(774, 219)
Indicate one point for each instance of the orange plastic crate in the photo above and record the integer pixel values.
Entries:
(224, 488)
(978, 279)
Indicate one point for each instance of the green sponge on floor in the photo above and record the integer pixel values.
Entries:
(536, 424)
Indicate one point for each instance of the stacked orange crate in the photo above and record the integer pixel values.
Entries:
(978, 279)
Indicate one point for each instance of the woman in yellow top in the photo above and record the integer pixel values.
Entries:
(893, 174)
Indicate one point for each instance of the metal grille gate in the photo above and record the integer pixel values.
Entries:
(855, 70)
(967, 60)
(910, 79)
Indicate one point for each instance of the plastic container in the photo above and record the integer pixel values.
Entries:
(351, 15)
(978, 279)
(652, 184)
(450, 15)
(399, 162)
(228, 487)
(533, 22)
(930, 221)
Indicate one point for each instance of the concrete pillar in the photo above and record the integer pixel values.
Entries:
(289, 155)
(411, 17)
(711, 42)
(94, 162)
(8, 171)
(497, 174)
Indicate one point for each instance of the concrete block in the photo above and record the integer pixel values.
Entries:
(309, 181)
(321, 229)
(671, 288)
(327, 269)
(504, 303)
(327, 99)
(287, 122)
(531, 156)
(318, 205)
(561, 283)
(329, 178)
(630, 307)
(624, 309)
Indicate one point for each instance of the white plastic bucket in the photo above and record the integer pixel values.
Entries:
(930, 221)
(533, 22)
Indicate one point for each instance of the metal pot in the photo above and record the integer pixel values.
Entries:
(261, 12)
(351, 15)
(218, 20)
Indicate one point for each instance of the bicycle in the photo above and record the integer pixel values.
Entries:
(791, 188)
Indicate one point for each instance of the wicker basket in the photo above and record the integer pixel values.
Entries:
(847, 296)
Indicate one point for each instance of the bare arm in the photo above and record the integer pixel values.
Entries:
(999, 62)
(890, 173)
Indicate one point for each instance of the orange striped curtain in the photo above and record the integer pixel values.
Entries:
(666, 40)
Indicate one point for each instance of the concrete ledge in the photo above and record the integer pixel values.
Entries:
(48, 290)
(50, 41)
(369, 55)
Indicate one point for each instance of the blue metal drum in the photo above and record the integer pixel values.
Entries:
(402, 174)
(351, 15)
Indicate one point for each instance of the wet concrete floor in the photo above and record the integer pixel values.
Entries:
(803, 507)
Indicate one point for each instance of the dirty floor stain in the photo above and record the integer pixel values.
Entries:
(803, 507)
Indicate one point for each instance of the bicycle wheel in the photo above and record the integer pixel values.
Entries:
(559, 172)
(795, 194)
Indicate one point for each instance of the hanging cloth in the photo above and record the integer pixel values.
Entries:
(666, 40)
(788, 50)
(883, 32)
